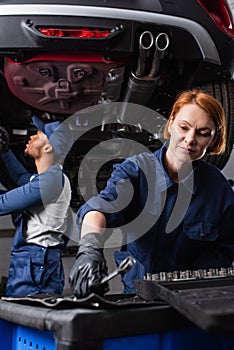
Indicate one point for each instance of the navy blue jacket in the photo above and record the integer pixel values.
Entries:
(167, 226)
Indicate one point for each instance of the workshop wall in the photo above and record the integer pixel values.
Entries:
(228, 170)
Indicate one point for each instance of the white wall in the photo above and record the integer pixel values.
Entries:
(231, 3)
(228, 170)
(6, 226)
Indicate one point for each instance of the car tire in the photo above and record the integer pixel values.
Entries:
(224, 92)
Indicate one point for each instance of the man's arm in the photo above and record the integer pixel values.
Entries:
(43, 189)
(20, 198)
(16, 170)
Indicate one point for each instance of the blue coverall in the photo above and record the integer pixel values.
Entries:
(203, 237)
(34, 269)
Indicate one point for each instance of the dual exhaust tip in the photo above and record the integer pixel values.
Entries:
(146, 42)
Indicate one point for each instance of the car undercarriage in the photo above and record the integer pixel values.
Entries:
(59, 58)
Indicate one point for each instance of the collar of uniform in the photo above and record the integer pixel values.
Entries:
(54, 168)
(189, 183)
(165, 181)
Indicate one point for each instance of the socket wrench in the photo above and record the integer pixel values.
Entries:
(123, 267)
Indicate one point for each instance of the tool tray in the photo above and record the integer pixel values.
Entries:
(208, 303)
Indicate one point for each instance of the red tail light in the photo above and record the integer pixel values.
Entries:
(80, 33)
(220, 13)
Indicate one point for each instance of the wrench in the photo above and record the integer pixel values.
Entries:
(123, 267)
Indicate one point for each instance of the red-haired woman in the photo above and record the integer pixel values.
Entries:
(180, 209)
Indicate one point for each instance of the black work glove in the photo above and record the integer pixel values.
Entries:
(90, 267)
(4, 140)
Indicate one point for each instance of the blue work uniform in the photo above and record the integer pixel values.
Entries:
(35, 268)
(200, 210)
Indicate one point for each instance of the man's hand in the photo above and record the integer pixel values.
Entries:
(4, 140)
(90, 267)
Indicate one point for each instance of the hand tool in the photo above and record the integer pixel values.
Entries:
(123, 267)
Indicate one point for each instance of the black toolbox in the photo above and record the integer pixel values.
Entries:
(208, 302)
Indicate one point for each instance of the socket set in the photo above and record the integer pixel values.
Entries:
(205, 297)
(190, 274)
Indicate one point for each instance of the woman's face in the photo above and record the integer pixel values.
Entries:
(192, 131)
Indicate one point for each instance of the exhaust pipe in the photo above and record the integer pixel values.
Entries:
(145, 43)
(140, 86)
(161, 44)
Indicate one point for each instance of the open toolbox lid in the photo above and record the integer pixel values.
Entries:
(208, 303)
